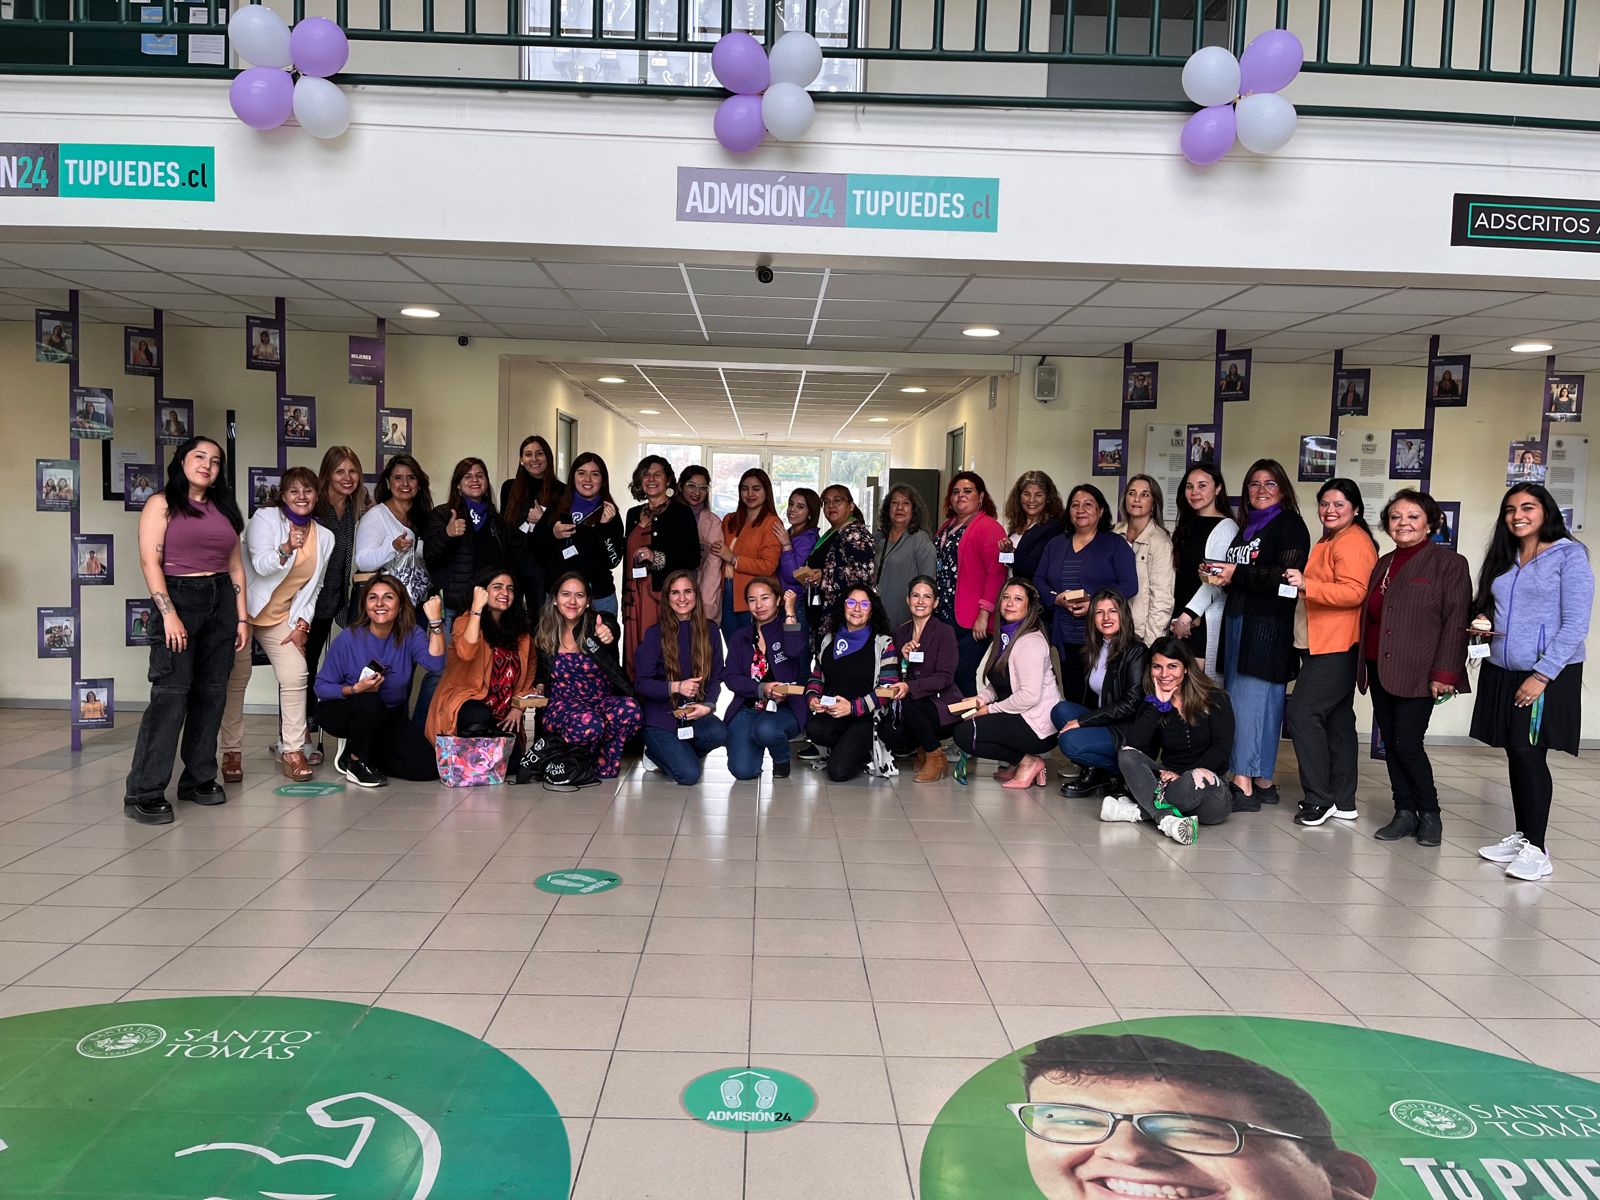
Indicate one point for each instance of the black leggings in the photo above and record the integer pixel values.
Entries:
(1531, 787)
(316, 641)
(919, 727)
(849, 743)
(1403, 722)
(381, 736)
(1004, 736)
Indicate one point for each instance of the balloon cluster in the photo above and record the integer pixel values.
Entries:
(265, 94)
(769, 91)
(1238, 97)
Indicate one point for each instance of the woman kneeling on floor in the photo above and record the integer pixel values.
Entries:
(1187, 723)
(857, 658)
(591, 701)
(365, 682)
(490, 663)
(1012, 720)
(678, 669)
(1116, 662)
(927, 685)
(766, 654)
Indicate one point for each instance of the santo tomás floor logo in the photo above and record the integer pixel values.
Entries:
(1432, 1119)
(245, 1097)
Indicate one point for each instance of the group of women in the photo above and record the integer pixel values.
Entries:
(1159, 663)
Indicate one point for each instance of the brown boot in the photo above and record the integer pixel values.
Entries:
(934, 767)
(922, 758)
(232, 766)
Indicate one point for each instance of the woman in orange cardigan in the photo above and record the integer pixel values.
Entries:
(1321, 719)
(753, 539)
(491, 662)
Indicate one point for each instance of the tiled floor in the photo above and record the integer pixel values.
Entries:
(879, 939)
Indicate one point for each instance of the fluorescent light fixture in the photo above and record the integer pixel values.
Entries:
(877, 420)
(649, 412)
(611, 379)
(1532, 348)
(913, 391)
(422, 314)
(854, 441)
(981, 331)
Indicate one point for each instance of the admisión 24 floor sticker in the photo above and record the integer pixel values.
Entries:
(244, 1097)
(1256, 1108)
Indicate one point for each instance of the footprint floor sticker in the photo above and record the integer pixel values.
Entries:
(753, 1099)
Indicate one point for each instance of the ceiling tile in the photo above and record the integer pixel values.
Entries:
(493, 272)
(480, 296)
(756, 306)
(1366, 324)
(52, 256)
(1297, 298)
(204, 260)
(1507, 327)
(1436, 302)
(727, 281)
(252, 285)
(389, 293)
(530, 315)
(1550, 308)
(1153, 317)
(191, 302)
(989, 289)
(611, 277)
(1164, 295)
(1294, 339)
(624, 302)
(1214, 319)
(862, 285)
(1016, 315)
(880, 310)
(306, 264)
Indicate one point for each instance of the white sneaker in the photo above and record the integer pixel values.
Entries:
(1120, 808)
(1346, 814)
(1531, 863)
(1183, 830)
(1505, 850)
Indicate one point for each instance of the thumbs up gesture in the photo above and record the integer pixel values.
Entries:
(455, 526)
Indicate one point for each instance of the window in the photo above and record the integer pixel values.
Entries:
(790, 471)
(853, 468)
(566, 439)
(726, 467)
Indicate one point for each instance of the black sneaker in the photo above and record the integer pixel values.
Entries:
(808, 752)
(780, 770)
(148, 812)
(360, 774)
(1244, 802)
(1313, 814)
(1268, 794)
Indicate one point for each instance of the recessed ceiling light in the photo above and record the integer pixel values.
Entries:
(877, 420)
(612, 379)
(854, 441)
(912, 391)
(1532, 348)
(422, 314)
(649, 412)
(981, 331)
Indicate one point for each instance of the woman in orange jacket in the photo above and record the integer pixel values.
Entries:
(1321, 718)
(753, 539)
(491, 661)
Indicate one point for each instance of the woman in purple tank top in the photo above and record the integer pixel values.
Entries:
(189, 553)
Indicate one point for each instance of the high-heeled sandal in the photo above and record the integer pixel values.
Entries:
(296, 767)
(233, 766)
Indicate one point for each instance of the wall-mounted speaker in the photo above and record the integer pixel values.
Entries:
(1046, 383)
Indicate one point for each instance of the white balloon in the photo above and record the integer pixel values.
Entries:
(321, 108)
(1211, 76)
(260, 36)
(787, 110)
(796, 58)
(1266, 122)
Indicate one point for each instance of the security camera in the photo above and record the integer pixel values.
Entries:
(764, 273)
(463, 340)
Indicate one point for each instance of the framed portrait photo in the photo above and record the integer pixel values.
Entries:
(1447, 381)
(140, 622)
(297, 420)
(58, 632)
(93, 703)
(263, 487)
(1233, 374)
(93, 559)
(55, 485)
(1319, 455)
(1140, 384)
(141, 350)
(1204, 445)
(263, 347)
(1352, 393)
(394, 430)
(1110, 452)
(174, 422)
(90, 417)
(1410, 453)
(52, 336)
(139, 482)
(1563, 397)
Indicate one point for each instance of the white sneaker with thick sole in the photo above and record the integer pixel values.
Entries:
(1531, 863)
(1346, 814)
(1505, 850)
(1183, 830)
(1120, 808)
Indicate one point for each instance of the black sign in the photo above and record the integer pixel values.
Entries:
(28, 169)
(1526, 223)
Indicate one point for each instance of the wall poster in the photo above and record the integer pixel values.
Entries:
(1165, 462)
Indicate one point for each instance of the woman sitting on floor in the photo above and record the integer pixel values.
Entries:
(857, 658)
(490, 663)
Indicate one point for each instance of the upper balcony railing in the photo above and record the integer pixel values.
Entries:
(1500, 62)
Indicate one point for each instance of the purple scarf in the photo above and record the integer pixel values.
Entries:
(583, 506)
(477, 511)
(848, 641)
(1008, 630)
(294, 518)
(1259, 519)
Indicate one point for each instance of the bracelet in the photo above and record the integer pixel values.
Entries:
(1542, 679)
(475, 613)
(435, 626)
(242, 621)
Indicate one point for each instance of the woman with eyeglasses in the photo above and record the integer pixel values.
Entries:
(765, 656)
(1413, 654)
(927, 685)
(1034, 516)
(858, 657)
(1258, 655)
(1321, 717)
(969, 572)
(1145, 529)
(1012, 721)
(661, 538)
(679, 672)
(694, 484)
(1206, 529)
(903, 549)
(1087, 558)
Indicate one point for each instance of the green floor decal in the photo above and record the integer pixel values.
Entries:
(247, 1097)
(1255, 1108)
(585, 882)
(753, 1099)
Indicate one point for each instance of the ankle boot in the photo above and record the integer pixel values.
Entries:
(922, 758)
(1430, 830)
(1403, 825)
(934, 768)
(1091, 781)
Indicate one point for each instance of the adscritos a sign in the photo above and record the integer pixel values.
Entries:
(752, 1099)
(104, 172)
(1255, 1108)
(1526, 223)
(251, 1096)
(728, 197)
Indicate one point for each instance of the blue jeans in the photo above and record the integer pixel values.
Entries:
(752, 731)
(1092, 747)
(605, 604)
(680, 758)
(969, 653)
(731, 619)
(430, 679)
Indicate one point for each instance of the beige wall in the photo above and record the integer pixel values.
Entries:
(462, 402)
(989, 434)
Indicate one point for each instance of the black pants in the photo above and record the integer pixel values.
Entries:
(1005, 736)
(1403, 722)
(188, 689)
(381, 736)
(1321, 720)
(316, 643)
(849, 743)
(918, 728)
(1212, 803)
(1074, 676)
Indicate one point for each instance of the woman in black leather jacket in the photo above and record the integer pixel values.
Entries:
(1114, 663)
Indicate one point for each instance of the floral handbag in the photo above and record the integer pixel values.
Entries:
(472, 761)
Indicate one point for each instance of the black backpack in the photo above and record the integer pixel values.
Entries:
(556, 763)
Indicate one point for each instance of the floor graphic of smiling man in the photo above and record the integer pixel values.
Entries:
(1139, 1116)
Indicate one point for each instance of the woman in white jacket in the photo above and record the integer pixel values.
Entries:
(285, 557)
(389, 534)
(1205, 531)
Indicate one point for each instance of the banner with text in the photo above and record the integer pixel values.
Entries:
(951, 204)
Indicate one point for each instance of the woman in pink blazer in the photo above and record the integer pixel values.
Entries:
(968, 571)
(1012, 722)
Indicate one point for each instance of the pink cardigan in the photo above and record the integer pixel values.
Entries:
(979, 572)
(1033, 683)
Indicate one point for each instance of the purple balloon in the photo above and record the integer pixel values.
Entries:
(740, 64)
(1270, 62)
(319, 47)
(262, 97)
(1209, 134)
(738, 124)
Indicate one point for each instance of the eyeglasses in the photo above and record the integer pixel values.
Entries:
(858, 604)
(1263, 485)
(1187, 1133)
